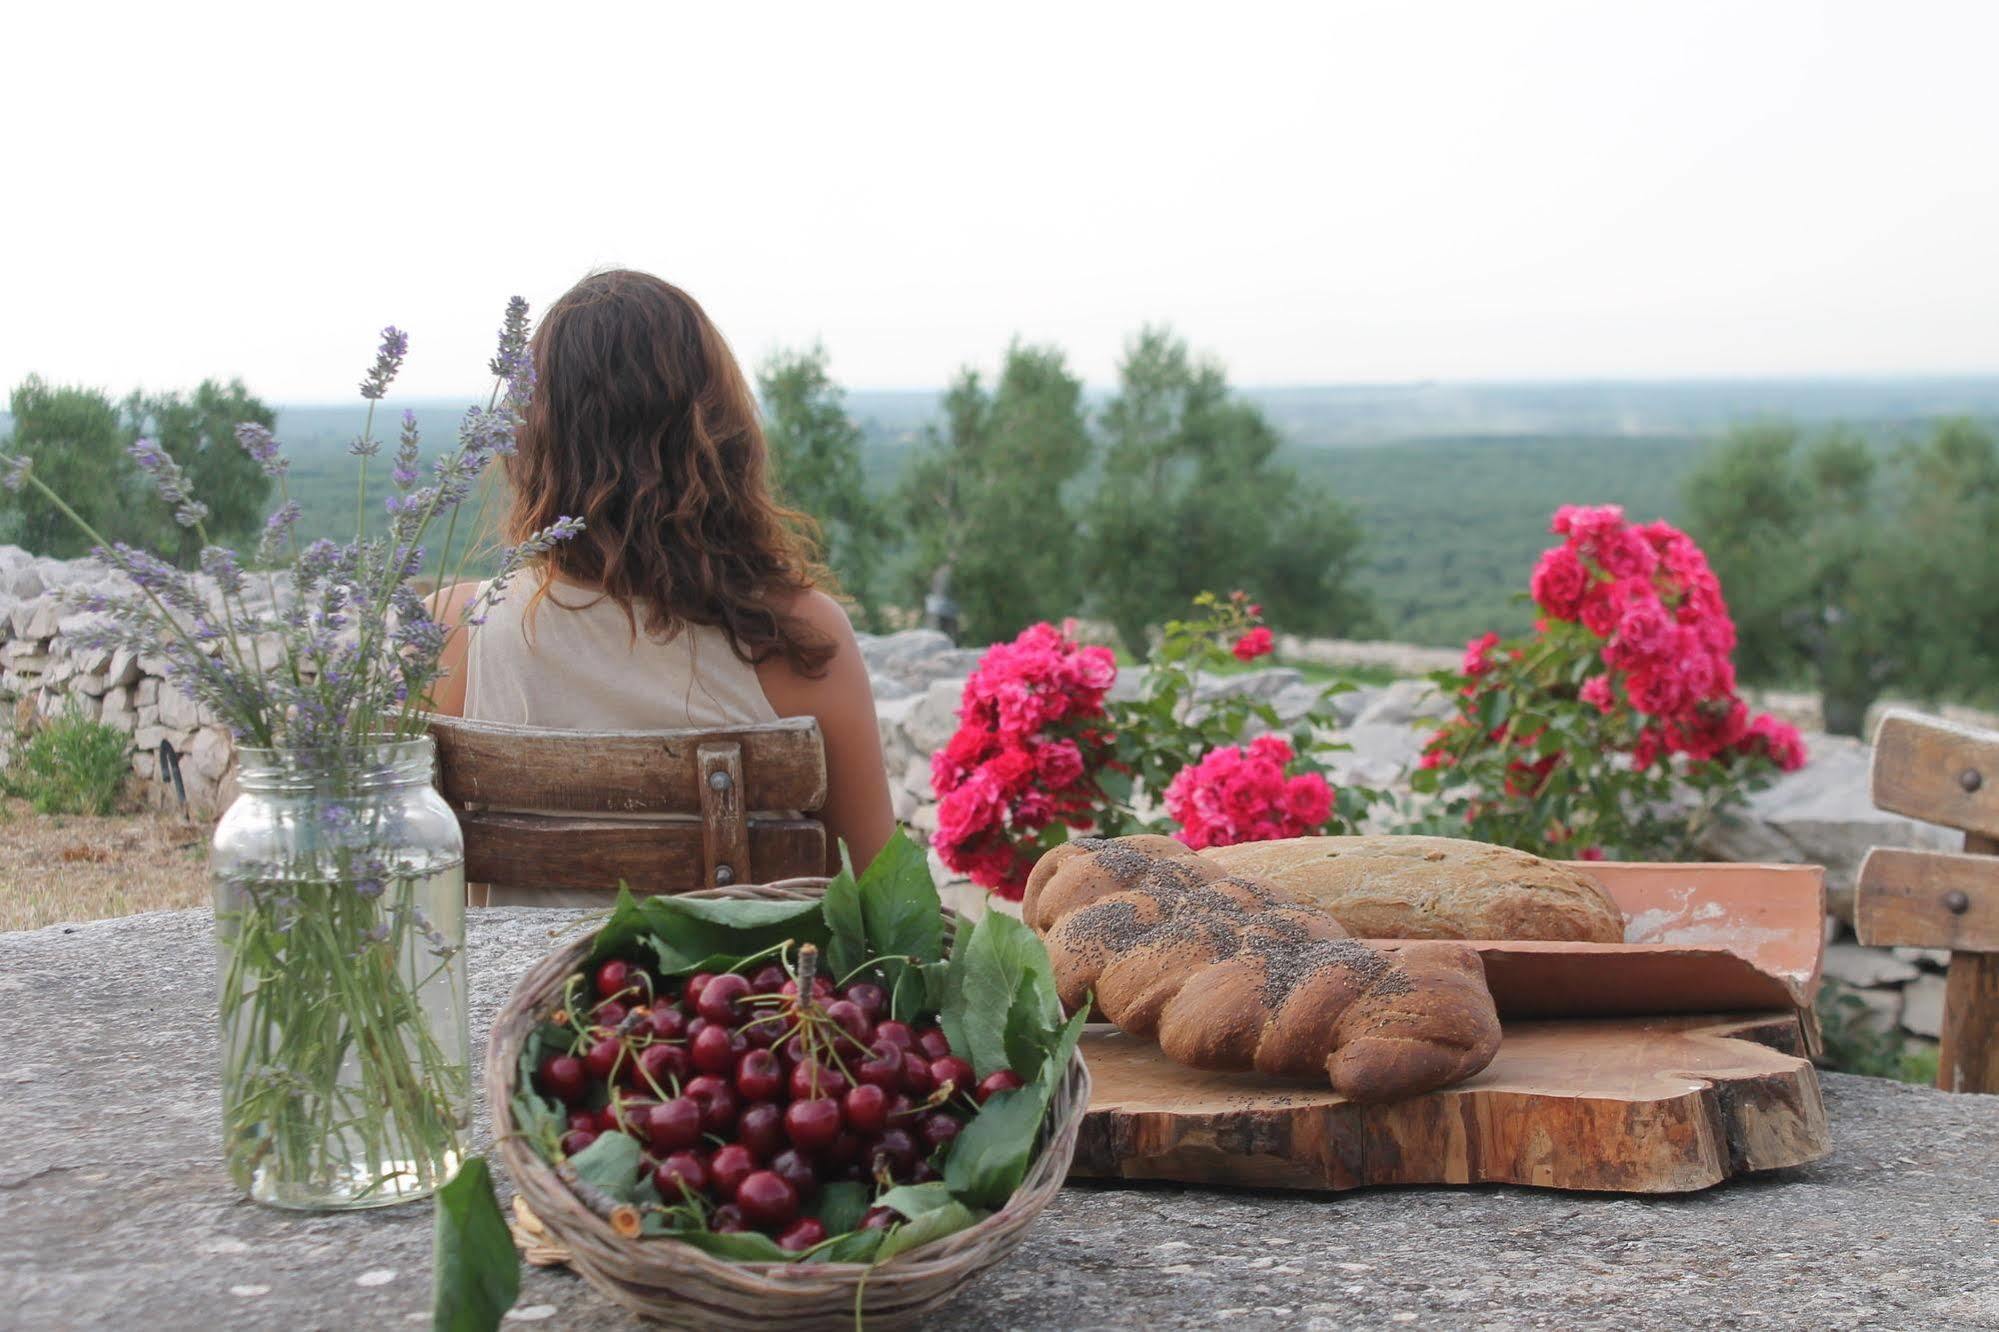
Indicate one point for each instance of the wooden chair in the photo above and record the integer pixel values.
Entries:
(1931, 769)
(753, 790)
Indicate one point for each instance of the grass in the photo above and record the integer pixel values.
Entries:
(70, 867)
(69, 765)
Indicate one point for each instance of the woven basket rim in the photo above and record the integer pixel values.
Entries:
(1065, 1115)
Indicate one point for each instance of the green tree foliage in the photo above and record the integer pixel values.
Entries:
(1191, 497)
(77, 445)
(1855, 575)
(989, 495)
(816, 455)
(199, 431)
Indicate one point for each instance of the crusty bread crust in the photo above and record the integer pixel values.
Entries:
(1228, 972)
(1431, 888)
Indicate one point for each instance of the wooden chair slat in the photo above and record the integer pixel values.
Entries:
(542, 851)
(725, 842)
(624, 772)
(1906, 899)
(1933, 770)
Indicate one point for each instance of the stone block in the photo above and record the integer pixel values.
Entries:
(147, 691)
(1405, 703)
(1922, 1006)
(1938, 958)
(91, 683)
(212, 754)
(117, 698)
(1866, 968)
(123, 719)
(934, 720)
(177, 710)
(123, 668)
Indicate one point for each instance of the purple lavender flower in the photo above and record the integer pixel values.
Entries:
(277, 531)
(220, 564)
(404, 474)
(388, 360)
(258, 443)
(14, 471)
(513, 340)
(169, 480)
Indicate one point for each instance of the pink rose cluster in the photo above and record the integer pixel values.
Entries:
(1241, 793)
(1030, 740)
(1646, 591)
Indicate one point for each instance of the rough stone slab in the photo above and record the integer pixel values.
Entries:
(114, 1211)
(1853, 964)
(1922, 1006)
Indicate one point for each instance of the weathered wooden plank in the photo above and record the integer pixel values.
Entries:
(537, 851)
(1931, 769)
(1968, 1057)
(1928, 899)
(624, 772)
(725, 838)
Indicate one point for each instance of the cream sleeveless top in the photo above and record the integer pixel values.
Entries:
(578, 666)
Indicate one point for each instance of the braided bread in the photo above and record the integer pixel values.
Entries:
(1226, 972)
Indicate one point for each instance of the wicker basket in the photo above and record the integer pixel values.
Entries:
(680, 1285)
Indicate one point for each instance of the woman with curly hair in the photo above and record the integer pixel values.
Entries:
(689, 600)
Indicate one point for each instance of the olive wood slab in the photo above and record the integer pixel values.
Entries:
(1664, 1104)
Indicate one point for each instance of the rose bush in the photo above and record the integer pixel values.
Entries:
(1615, 728)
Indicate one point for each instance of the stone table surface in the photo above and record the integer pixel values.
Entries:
(115, 1211)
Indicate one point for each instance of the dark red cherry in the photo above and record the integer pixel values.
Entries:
(879, 1218)
(924, 1173)
(761, 1129)
(604, 1056)
(939, 1129)
(729, 1166)
(721, 999)
(933, 1043)
(866, 1108)
(658, 1068)
(822, 989)
(576, 1140)
(896, 1033)
(613, 977)
(813, 1079)
(565, 1077)
(894, 1153)
(812, 1124)
(628, 1114)
(759, 1076)
(690, 997)
(883, 1066)
(728, 1220)
(869, 997)
(711, 1050)
(995, 1083)
(916, 1079)
(847, 1015)
(843, 1150)
(797, 1171)
(768, 979)
(900, 1105)
(609, 1014)
(666, 1023)
(802, 1234)
(680, 1168)
(952, 1070)
(768, 1199)
(718, 1103)
(673, 1125)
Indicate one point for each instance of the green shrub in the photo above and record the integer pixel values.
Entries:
(70, 765)
(1855, 1042)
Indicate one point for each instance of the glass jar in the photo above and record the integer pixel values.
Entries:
(340, 928)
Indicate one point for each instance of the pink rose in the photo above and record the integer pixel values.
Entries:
(1256, 643)
(1559, 582)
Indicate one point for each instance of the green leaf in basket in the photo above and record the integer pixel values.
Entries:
(475, 1273)
(622, 929)
(611, 1163)
(858, 1246)
(899, 904)
(913, 1200)
(934, 1224)
(745, 1246)
(697, 934)
(991, 1155)
(840, 1206)
(846, 926)
(1000, 1008)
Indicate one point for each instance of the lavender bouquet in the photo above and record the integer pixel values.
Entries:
(338, 871)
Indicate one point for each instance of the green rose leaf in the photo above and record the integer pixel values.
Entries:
(475, 1272)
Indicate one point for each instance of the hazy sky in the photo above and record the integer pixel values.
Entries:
(1315, 192)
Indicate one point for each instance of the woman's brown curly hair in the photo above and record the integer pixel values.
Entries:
(643, 426)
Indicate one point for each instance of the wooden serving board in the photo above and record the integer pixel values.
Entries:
(1644, 1105)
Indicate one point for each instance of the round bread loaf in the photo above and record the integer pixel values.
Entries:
(1431, 888)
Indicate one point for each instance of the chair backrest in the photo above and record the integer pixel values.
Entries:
(752, 789)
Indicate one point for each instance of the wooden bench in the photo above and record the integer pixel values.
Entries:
(1933, 770)
(746, 797)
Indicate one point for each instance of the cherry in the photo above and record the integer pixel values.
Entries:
(666, 1022)
(848, 1017)
(729, 1166)
(951, 1071)
(869, 997)
(812, 1124)
(933, 1043)
(897, 1034)
(609, 1013)
(796, 1171)
(761, 1129)
(995, 1083)
(812, 1079)
(822, 989)
(673, 1125)
(893, 1153)
(711, 1050)
(802, 1234)
(759, 1075)
(681, 1168)
(879, 1218)
(627, 1114)
(604, 1054)
(717, 1100)
(769, 979)
(565, 1077)
(695, 1026)
(767, 1198)
(576, 1140)
(613, 977)
(696, 983)
(883, 1067)
(866, 1108)
(924, 1173)
(843, 1150)
(728, 1220)
(583, 1121)
(762, 1032)
(939, 1129)
(916, 1079)
(659, 1067)
(900, 1105)
(721, 998)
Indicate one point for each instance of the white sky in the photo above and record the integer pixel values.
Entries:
(1316, 192)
